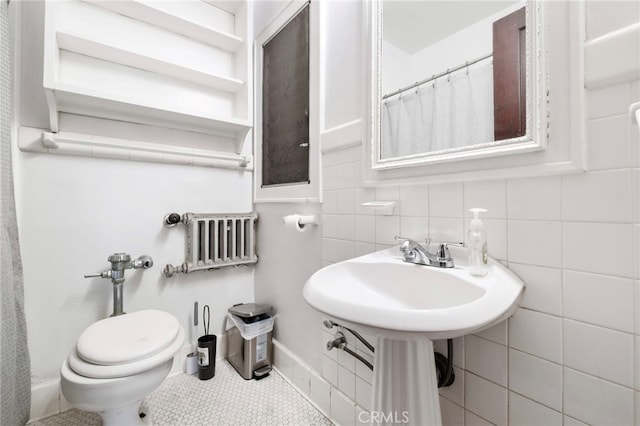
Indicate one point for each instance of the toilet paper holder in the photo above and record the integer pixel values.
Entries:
(301, 220)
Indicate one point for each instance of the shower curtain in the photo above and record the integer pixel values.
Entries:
(15, 371)
(451, 112)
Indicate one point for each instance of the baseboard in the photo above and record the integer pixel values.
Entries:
(45, 400)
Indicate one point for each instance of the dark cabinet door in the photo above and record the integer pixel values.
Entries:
(509, 76)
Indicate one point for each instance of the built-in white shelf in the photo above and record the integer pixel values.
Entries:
(230, 6)
(153, 13)
(128, 55)
(94, 103)
(179, 66)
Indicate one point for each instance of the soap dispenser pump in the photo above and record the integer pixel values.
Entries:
(477, 244)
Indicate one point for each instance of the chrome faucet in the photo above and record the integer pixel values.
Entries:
(414, 252)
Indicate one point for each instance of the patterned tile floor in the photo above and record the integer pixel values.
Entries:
(226, 399)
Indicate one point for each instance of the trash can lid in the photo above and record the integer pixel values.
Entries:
(248, 310)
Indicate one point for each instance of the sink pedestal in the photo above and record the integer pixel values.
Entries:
(405, 384)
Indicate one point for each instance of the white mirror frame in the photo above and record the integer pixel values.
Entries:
(554, 141)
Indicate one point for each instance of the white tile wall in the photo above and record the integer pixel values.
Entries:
(485, 399)
(525, 412)
(570, 353)
(414, 227)
(347, 382)
(595, 401)
(609, 142)
(343, 411)
(455, 392)
(537, 334)
(522, 205)
(607, 102)
(535, 243)
(486, 359)
(471, 419)
(301, 378)
(497, 228)
(543, 292)
(570, 421)
(446, 200)
(452, 414)
(535, 378)
(497, 333)
(446, 229)
(581, 243)
(414, 201)
(363, 393)
(599, 299)
(490, 195)
(330, 370)
(599, 351)
(598, 197)
(320, 392)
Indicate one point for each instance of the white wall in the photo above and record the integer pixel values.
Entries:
(396, 68)
(465, 45)
(287, 258)
(570, 353)
(343, 89)
(73, 212)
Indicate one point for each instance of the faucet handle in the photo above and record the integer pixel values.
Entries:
(399, 238)
(105, 274)
(443, 249)
(452, 243)
(405, 243)
(407, 247)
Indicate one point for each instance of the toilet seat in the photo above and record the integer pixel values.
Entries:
(131, 346)
(127, 338)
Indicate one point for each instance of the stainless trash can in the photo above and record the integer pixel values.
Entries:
(249, 345)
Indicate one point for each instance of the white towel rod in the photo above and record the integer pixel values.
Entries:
(126, 149)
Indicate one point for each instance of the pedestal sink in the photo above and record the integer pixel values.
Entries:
(406, 306)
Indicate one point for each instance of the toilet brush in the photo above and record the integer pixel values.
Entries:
(192, 358)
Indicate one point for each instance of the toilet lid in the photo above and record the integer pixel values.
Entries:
(127, 338)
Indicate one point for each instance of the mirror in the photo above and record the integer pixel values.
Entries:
(455, 81)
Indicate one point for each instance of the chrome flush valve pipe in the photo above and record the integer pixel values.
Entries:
(119, 263)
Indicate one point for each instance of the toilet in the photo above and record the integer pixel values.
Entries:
(118, 361)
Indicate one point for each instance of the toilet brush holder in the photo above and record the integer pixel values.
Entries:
(191, 366)
(207, 356)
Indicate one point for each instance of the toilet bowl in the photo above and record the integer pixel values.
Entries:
(118, 361)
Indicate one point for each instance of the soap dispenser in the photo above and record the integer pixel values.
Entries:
(477, 244)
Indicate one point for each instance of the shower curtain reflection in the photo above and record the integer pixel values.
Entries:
(451, 112)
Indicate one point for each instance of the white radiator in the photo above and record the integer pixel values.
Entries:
(215, 241)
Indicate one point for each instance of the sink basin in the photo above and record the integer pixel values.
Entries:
(383, 294)
(406, 306)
